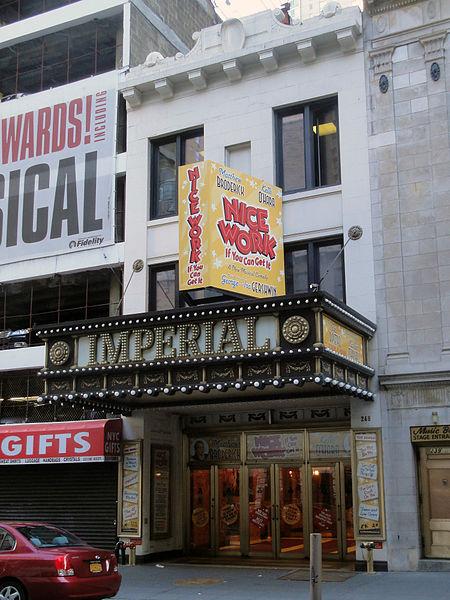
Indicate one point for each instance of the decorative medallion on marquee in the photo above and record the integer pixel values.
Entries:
(59, 353)
(295, 329)
(311, 341)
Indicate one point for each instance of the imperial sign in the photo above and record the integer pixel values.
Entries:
(231, 235)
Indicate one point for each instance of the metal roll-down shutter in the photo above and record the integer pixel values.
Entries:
(78, 497)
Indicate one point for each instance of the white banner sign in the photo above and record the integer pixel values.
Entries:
(57, 152)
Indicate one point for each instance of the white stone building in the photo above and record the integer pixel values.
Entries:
(285, 103)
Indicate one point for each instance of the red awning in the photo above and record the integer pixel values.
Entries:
(70, 442)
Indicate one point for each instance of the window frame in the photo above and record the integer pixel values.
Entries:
(307, 109)
(153, 270)
(180, 153)
(5, 533)
(313, 261)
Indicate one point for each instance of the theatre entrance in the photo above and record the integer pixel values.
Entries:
(267, 505)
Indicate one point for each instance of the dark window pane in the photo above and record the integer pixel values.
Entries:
(54, 75)
(9, 11)
(99, 285)
(29, 9)
(30, 55)
(29, 82)
(82, 66)
(293, 152)
(299, 262)
(73, 297)
(119, 220)
(45, 301)
(164, 293)
(333, 281)
(106, 59)
(326, 146)
(193, 149)
(56, 49)
(166, 192)
(18, 306)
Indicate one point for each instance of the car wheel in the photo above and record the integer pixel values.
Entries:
(10, 590)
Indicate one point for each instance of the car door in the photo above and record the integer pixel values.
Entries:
(16, 558)
(8, 546)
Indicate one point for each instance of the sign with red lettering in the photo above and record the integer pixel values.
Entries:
(231, 234)
(69, 442)
(57, 152)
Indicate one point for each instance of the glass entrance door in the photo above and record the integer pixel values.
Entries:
(331, 512)
(290, 514)
(228, 531)
(325, 515)
(261, 512)
(215, 510)
(201, 488)
(275, 511)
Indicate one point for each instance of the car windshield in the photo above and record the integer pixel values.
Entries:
(42, 536)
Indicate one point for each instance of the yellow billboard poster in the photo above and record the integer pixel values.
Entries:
(230, 230)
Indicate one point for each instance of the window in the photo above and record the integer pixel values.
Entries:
(42, 536)
(60, 57)
(308, 146)
(163, 287)
(72, 297)
(312, 262)
(119, 213)
(15, 10)
(167, 155)
(7, 542)
(164, 293)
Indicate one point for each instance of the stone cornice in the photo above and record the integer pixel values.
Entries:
(381, 60)
(229, 49)
(433, 46)
(376, 7)
(414, 379)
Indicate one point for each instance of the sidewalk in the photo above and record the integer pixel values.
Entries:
(188, 582)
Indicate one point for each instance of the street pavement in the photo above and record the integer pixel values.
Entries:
(188, 582)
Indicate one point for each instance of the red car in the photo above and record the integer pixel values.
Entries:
(41, 562)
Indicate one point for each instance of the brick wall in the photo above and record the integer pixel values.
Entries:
(145, 38)
(185, 16)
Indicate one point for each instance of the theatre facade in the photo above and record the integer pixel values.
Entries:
(247, 404)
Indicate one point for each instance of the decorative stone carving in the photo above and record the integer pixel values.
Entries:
(307, 50)
(132, 96)
(381, 23)
(164, 88)
(268, 60)
(59, 353)
(198, 79)
(232, 35)
(153, 59)
(381, 61)
(330, 9)
(232, 70)
(347, 39)
(433, 46)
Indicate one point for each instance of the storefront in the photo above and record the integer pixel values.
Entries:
(432, 444)
(247, 445)
(64, 474)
